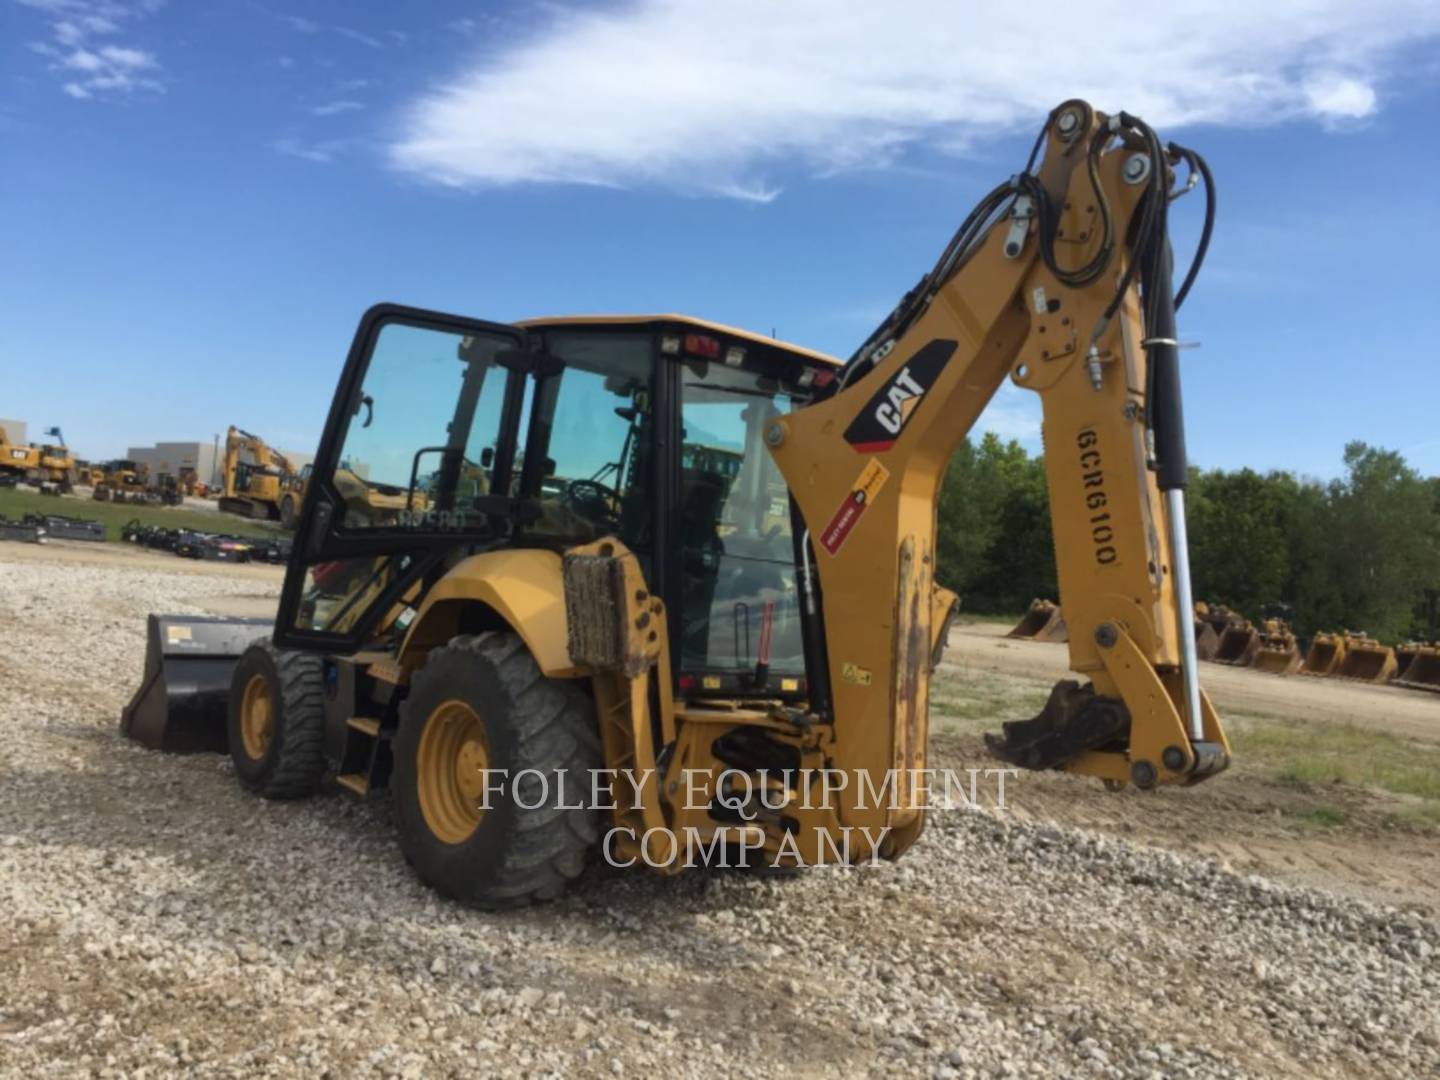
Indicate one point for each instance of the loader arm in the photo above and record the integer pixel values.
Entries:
(1024, 292)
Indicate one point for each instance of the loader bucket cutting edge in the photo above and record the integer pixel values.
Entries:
(180, 706)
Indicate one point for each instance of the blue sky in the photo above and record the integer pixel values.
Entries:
(198, 200)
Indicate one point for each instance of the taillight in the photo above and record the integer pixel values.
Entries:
(686, 683)
(702, 345)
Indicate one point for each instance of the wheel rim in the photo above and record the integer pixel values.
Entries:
(450, 767)
(257, 717)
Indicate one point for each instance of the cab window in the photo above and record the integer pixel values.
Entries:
(588, 458)
(421, 443)
(736, 550)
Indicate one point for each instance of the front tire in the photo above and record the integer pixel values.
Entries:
(277, 722)
(481, 703)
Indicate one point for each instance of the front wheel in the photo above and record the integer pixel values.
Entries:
(493, 766)
(277, 721)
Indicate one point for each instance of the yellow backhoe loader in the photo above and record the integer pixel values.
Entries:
(583, 628)
(123, 480)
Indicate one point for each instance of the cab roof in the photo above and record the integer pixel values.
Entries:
(684, 320)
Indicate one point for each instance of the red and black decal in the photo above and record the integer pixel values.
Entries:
(885, 415)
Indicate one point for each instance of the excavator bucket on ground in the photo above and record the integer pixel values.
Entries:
(1042, 622)
(181, 705)
(1418, 665)
(1278, 654)
(1326, 653)
(1239, 644)
(1366, 660)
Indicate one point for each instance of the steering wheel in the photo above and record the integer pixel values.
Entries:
(591, 499)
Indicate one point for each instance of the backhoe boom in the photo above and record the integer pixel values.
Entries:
(1049, 297)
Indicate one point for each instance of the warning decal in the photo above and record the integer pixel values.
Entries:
(872, 478)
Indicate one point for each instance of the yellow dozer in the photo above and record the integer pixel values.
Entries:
(1042, 621)
(581, 633)
(1279, 653)
(1418, 665)
(1366, 660)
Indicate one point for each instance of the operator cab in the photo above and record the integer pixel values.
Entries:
(450, 437)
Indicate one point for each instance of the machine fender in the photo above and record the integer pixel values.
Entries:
(522, 588)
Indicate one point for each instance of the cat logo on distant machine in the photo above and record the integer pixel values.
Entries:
(885, 415)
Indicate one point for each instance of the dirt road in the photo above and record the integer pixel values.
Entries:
(1413, 713)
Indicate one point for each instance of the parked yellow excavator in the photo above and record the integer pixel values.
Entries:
(254, 476)
(728, 649)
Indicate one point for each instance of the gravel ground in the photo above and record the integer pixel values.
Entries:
(160, 921)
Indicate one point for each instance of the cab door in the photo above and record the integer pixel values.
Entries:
(414, 464)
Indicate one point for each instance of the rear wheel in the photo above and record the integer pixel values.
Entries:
(490, 759)
(277, 722)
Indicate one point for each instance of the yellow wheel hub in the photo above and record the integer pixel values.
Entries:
(257, 717)
(450, 767)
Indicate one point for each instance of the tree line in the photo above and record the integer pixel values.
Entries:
(1361, 552)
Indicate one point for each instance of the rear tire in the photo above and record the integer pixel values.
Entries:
(508, 854)
(277, 722)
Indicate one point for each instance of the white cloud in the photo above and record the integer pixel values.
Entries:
(106, 71)
(334, 108)
(719, 98)
(321, 153)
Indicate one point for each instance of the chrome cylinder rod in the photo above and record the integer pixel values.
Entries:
(1185, 613)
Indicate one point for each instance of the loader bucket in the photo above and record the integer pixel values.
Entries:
(1421, 670)
(1239, 645)
(181, 703)
(1279, 658)
(1042, 622)
(1206, 640)
(1368, 661)
(1325, 655)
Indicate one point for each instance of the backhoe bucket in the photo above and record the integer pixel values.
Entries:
(1325, 655)
(181, 703)
(1239, 645)
(1419, 666)
(1042, 622)
(1367, 661)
